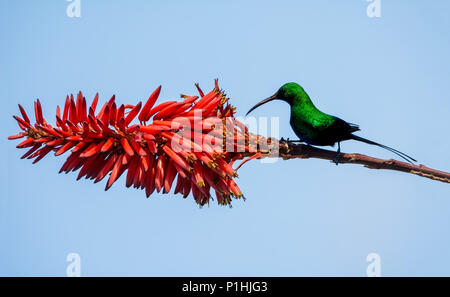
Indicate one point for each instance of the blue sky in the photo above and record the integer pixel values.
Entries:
(390, 75)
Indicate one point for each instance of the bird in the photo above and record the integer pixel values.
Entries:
(315, 127)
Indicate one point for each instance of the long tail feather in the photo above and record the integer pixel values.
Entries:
(398, 153)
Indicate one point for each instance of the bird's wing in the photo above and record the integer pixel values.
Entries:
(322, 122)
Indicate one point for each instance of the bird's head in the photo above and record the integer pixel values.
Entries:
(287, 92)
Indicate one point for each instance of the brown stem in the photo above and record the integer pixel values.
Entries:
(289, 150)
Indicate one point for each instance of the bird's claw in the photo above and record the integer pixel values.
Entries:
(337, 159)
(291, 141)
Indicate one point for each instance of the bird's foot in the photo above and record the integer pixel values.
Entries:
(337, 159)
(289, 141)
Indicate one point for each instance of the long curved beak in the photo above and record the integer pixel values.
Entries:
(273, 97)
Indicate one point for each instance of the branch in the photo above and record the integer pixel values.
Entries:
(289, 150)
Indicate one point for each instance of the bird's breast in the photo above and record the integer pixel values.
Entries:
(302, 127)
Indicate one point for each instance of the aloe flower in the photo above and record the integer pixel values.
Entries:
(195, 141)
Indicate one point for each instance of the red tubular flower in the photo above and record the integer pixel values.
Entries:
(108, 143)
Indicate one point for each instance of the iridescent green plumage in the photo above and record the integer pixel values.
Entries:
(315, 127)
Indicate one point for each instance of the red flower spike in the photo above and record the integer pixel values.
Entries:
(104, 127)
(138, 148)
(133, 113)
(121, 125)
(42, 153)
(149, 180)
(116, 172)
(78, 147)
(199, 90)
(55, 142)
(153, 154)
(41, 117)
(186, 187)
(112, 114)
(126, 159)
(26, 143)
(64, 148)
(145, 161)
(171, 173)
(168, 110)
(72, 126)
(160, 164)
(83, 109)
(93, 123)
(108, 144)
(126, 146)
(131, 172)
(189, 99)
(92, 150)
(24, 114)
(138, 177)
(144, 116)
(102, 110)
(66, 109)
(179, 186)
(177, 158)
(17, 136)
(206, 99)
(198, 175)
(106, 168)
(94, 102)
(111, 101)
(105, 116)
(160, 107)
(22, 124)
(32, 150)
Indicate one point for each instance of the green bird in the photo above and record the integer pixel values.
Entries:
(315, 127)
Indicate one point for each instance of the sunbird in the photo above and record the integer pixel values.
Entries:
(315, 127)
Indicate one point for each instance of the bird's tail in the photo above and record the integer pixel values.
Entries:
(398, 153)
